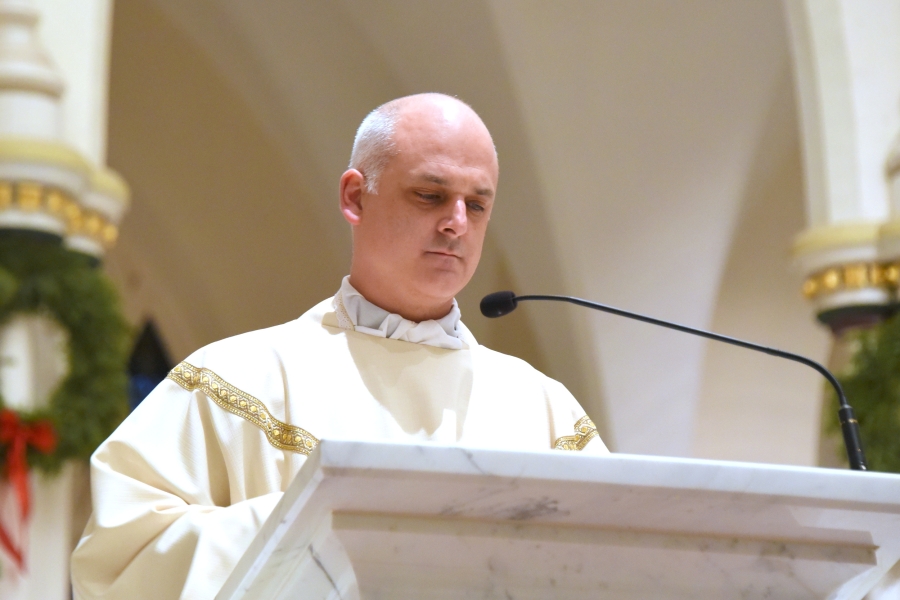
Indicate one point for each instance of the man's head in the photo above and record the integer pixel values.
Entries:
(418, 196)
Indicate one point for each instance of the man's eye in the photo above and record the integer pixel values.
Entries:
(476, 207)
(429, 197)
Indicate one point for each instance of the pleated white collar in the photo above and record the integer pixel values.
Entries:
(356, 313)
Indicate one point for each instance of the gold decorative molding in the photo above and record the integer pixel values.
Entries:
(851, 277)
(36, 197)
(585, 431)
(279, 434)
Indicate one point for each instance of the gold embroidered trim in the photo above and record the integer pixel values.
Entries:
(585, 431)
(281, 435)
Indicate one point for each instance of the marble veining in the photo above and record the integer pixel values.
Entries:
(400, 521)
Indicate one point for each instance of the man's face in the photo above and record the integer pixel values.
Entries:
(423, 231)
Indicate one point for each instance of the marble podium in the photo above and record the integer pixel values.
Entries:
(365, 520)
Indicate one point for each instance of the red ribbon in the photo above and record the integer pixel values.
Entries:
(17, 435)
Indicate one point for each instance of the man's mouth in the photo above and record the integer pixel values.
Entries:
(443, 253)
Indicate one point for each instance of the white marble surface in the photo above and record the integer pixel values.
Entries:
(376, 521)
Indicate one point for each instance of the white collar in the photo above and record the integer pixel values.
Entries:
(355, 312)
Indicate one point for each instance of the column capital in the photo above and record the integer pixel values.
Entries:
(46, 184)
(847, 75)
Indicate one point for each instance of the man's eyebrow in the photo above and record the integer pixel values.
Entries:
(435, 179)
(487, 192)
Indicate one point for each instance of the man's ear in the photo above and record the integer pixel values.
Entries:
(352, 187)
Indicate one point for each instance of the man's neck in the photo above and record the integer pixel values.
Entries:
(385, 297)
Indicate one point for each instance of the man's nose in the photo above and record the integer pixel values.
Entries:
(457, 222)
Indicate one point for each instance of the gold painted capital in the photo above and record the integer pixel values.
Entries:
(31, 197)
(852, 277)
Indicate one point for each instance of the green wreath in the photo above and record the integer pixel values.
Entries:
(872, 385)
(39, 276)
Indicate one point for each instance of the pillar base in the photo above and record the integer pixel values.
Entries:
(845, 318)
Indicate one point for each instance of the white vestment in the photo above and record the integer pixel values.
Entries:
(184, 484)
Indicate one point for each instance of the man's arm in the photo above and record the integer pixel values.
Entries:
(572, 428)
(179, 491)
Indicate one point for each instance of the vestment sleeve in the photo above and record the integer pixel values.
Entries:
(572, 428)
(173, 509)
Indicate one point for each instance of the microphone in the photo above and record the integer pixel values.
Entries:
(499, 304)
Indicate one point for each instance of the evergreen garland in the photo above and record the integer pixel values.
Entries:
(39, 276)
(872, 386)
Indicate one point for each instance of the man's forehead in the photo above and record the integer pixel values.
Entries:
(467, 146)
(435, 135)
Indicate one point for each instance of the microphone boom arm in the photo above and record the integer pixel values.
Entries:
(849, 425)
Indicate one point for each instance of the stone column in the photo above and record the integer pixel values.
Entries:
(53, 182)
(847, 73)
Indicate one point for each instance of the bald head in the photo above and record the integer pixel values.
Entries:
(418, 196)
(376, 139)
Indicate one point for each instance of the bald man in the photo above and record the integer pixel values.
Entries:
(182, 487)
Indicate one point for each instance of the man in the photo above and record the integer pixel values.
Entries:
(184, 484)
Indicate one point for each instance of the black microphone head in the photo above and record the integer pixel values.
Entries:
(498, 304)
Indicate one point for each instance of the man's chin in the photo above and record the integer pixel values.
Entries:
(442, 284)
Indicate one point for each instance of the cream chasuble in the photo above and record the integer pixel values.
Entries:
(183, 485)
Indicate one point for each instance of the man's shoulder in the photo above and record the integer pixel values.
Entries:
(510, 368)
(261, 346)
(507, 364)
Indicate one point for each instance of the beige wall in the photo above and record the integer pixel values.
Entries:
(220, 238)
(753, 406)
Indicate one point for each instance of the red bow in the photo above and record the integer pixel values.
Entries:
(17, 435)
